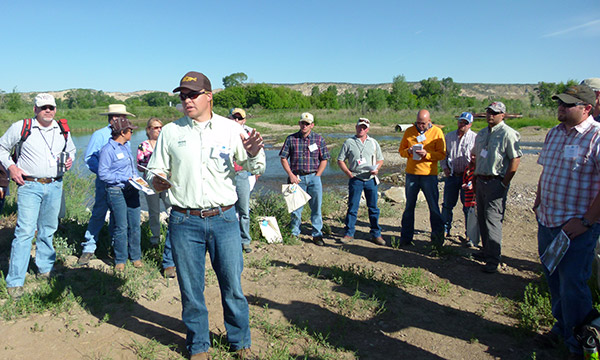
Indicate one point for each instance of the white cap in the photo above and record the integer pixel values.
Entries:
(43, 99)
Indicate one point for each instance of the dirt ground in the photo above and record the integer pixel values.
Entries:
(452, 311)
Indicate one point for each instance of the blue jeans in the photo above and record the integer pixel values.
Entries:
(191, 238)
(168, 252)
(452, 189)
(571, 295)
(310, 183)
(242, 206)
(153, 202)
(355, 189)
(124, 203)
(38, 206)
(428, 184)
(97, 219)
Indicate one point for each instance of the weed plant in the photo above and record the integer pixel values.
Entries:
(534, 312)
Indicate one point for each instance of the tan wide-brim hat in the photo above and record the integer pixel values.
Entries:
(117, 109)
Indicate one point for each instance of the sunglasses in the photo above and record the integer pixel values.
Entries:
(48, 107)
(193, 95)
(564, 104)
(156, 127)
(304, 123)
(237, 117)
(492, 112)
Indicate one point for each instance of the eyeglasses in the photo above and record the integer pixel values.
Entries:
(48, 107)
(304, 123)
(193, 95)
(156, 127)
(564, 104)
(492, 112)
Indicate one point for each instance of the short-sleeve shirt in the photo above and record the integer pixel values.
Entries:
(501, 144)
(304, 153)
(361, 156)
(570, 179)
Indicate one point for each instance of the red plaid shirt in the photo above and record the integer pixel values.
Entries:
(569, 185)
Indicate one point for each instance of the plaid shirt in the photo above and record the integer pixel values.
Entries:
(569, 185)
(300, 157)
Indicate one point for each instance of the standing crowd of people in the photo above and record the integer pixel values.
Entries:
(202, 167)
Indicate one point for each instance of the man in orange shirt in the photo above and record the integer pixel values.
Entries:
(423, 145)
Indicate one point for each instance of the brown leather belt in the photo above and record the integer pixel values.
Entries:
(489, 177)
(303, 173)
(46, 180)
(202, 213)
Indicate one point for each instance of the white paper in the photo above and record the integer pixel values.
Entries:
(555, 251)
(415, 148)
(141, 185)
(421, 138)
(571, 151)
(156, 174)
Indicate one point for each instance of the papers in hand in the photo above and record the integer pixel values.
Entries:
(156, 174)
(555, 251)
(142, 185)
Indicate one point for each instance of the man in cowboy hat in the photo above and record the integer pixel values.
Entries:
(197, 153)
(38, 173)
(92, 156)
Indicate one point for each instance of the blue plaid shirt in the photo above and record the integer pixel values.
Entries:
(301, 159)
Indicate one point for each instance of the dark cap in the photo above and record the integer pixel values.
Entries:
(194, 81)
(121, 123)
(577, 93)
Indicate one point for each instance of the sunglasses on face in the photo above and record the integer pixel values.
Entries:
(237, 117)
(492, 112)
(564, 104)
(304, 123)
(48, 107)
(156, 127)
(193, 95)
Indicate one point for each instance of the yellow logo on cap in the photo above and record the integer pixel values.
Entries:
(189, 78)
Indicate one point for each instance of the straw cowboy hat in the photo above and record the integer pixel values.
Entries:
(117, 109)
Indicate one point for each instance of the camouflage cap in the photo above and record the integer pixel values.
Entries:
(576, 94)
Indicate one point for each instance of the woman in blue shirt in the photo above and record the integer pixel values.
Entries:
(116, 166)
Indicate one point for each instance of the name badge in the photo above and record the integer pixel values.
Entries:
(312, 147)
(361, 161)
(421, 138)
(571, 152)
(483, 153)
(120, 156)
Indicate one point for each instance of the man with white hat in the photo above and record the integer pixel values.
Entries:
(497, 155)
(38, 172)
(594, 84)
(459, 144)
(304, 156)
(364, 157)
(92, 157)
(196, 153)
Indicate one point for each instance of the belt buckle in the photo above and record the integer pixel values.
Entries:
(202, 212)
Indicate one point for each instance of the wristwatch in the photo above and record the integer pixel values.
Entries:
(586, 223)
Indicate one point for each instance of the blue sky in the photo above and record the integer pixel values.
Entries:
(130, 45)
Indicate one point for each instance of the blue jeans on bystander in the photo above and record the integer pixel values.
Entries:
(124, 203)
(242, 206)
(428, 184)
(310, 183)
(571, 295)
(38, 206)
(191, 237)
(356, 187)
(97, 219)
(452, 190)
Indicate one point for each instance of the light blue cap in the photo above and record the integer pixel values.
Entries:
(466, 116)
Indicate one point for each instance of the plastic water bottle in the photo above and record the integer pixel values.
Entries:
(590, 351)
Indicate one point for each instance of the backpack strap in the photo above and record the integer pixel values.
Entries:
(25, 132)
(64, 130)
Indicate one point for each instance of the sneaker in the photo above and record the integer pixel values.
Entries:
(547, 340)
(170, 272)
(346, 239)
(120, 267)
(200, 356)
(489, 268)
(15, 292)
(138, 264)
(378, 240)
(318, 240)
(246, 248)
(85, 258)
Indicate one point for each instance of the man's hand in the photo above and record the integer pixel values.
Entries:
(294, 179)
(375, 172)
(422, 153)
(253, 143)
(159, 184)
(69, 163)
(574, 227)
(16, 174)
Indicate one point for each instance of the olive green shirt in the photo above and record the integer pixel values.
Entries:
(367, 153)
(494, 148)
(198, 159)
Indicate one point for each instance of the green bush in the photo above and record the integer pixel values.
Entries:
(535, 310)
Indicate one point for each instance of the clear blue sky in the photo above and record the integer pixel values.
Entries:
(130, 45)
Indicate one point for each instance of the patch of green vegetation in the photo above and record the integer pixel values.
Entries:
(154, 350)
(358, 305)
(534, 311)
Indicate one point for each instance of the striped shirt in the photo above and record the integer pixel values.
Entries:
(468, 180)
(304, 153)
(458, 151)
(570, 179)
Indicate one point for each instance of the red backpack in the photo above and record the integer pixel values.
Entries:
(26, 131)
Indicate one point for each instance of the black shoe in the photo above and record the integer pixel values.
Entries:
(489, 268)
(478, 255)
(405, 243)
(318, 240)
(246, 248)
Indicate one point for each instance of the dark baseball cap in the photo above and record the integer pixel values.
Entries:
(575, 94)
(121, 123)
(195, 81)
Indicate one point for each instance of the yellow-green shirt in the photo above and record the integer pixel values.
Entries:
(434, 144)
(199, 160)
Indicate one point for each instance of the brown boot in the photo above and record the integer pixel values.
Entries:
(200, 356)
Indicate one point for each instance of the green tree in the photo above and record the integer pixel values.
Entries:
(235, 79)
(231, 97)
(376, 99)
(401, 96)
(14, 101)
(329, 99)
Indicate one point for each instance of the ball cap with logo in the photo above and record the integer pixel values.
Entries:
(239, 111)
(44, 99)
(364, 121)
(577, 94)
(307, 117)
(194, 81)
(498, 107)
(467, 116)
(594, 83)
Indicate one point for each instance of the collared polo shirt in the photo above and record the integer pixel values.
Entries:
(458, 151)
(501, 144)
(198, 158)
(369, 153)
